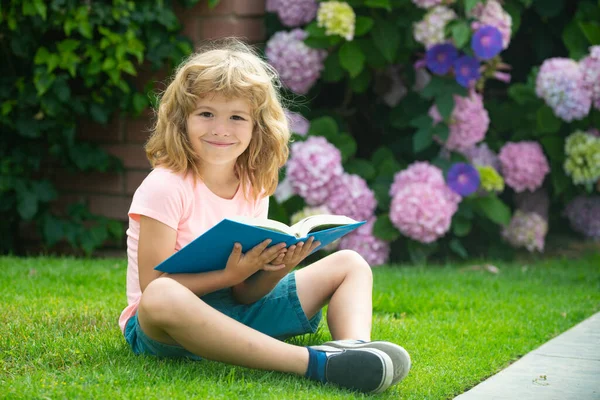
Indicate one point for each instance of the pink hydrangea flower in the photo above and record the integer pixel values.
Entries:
(297, 123)
(298, 65)
(524, 165)
(422, 211)
(526, 230)
(293, 13)
(351, 196)
(494, 15)
(423, 172)
(590, 68)
(313, 165)
(469, 122)
(427, 3)
(560, 84)
(374, 250)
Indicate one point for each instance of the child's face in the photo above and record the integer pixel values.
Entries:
(220, 129)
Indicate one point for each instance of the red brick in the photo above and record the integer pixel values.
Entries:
(93, 182)
(98, 133)
(133, 179)
(137, 130)
(249, 29)
(249, 7)
(115, 207)
(132, 155)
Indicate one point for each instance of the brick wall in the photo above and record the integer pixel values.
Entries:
(110, 194)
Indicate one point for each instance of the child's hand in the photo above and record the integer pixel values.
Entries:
(287, 261)
(240, 266)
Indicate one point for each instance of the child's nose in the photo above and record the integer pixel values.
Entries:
(220, 129)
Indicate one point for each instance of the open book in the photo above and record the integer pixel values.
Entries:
(210, 251)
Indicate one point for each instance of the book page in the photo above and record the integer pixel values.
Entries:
(319, 222)
(266, 224)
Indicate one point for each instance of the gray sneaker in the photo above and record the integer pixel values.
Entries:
(365, 370)
(400, 357)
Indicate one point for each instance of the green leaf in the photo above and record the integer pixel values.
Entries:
(547, 122)
(457, 247)
(384, 229)
(560, 181)
(52, 229)
(422, 139)
(554, 147)
(574, 40)
(27, 202)
(360, 167)
(591, 31)
(317, 43)
(460, 34)
(379, 4)
(387, 38)
(44, 191)
(382, 195)
(99, 113)
(213, 3)
(419, 252)
(441, 131)
(422, 121)
(522, 94)
(345, 143)
(469, 4)
(333, 71)
(461, 226)
(445, 105)
(323, 126)
(361, 83)
(315, 31)
(139, 102)
(352, 58)
(493, 208)
(363, 25)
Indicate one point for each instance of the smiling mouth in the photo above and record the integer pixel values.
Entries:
(219, 144)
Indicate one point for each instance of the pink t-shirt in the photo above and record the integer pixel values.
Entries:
(172, 199)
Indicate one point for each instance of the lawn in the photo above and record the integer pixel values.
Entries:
(59, 336)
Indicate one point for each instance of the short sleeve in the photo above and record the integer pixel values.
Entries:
(161, 196)
(262, 208)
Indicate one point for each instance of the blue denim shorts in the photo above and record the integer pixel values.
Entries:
(278, 314)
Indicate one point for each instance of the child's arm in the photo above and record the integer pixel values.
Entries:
(156, 243)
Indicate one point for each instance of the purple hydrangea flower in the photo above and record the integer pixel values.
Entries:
(463, 179)
(374, 250)
(487, 42)
(467, 70)
(440, 58)
(481, 155)
(313, 165)
(351, 196)
(583, 213)
(560, 83)
(294, 13)
(298, 65)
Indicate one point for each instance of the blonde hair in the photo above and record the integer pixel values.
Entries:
(233, 69)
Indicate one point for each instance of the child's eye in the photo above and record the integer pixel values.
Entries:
(238, 118)
(205, 114)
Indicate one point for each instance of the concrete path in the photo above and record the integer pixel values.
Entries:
(565, 368)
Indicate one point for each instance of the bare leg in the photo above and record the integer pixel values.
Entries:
(345, 280)
(170, 313)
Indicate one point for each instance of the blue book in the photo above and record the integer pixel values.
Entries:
(211, 250)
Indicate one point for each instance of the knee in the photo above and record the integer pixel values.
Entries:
(160, 298)
(355, 264)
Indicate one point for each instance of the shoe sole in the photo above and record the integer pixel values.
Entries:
(388, 365)
(400, 357)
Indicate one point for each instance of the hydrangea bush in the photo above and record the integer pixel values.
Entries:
(436, 122)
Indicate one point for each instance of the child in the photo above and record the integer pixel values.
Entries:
(220, 138)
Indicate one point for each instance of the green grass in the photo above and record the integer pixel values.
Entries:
(59, 336)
